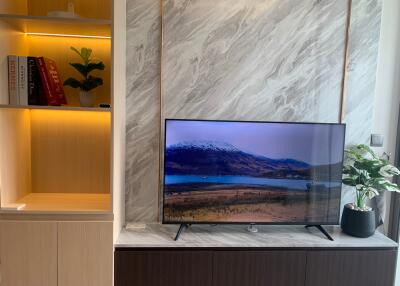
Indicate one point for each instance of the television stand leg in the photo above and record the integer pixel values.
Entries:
(181, 227)
(321, 229)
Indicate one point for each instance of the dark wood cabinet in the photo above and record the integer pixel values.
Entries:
(351, 268)
(255, 267)
(163, 268)
(259, 268)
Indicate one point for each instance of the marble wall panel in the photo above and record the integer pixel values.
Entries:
(365, 23)
(363, 57)
(244, 60)
(142, 109)
(253, 60)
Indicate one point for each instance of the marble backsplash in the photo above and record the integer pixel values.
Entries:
(242, 60)
(362, 65)
(142, 109)
(253, 60)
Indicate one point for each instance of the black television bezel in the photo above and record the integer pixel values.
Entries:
(163, 221)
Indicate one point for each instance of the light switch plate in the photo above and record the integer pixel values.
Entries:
(377, 140)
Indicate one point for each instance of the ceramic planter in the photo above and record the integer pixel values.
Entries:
(86, 98)
(358, 223)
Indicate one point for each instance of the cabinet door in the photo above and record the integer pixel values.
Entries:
(85, 254)
(163, 268)
(351, 268)
(259, 268)
(28, 253)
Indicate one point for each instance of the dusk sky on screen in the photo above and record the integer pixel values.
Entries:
(315, 144)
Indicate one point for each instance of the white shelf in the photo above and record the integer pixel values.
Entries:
(60, 203)
(70, 108)
(55, 25)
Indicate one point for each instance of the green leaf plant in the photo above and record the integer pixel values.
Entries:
(369, 174)
(88, 82)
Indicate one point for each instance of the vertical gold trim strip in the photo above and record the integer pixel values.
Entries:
(342, 107)
(160, 130)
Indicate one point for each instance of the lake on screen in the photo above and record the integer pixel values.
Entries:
(243, 180)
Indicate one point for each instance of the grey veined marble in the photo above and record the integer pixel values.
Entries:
(253, 60)
(142, 109)
(155, 235)
(363, 56)
(242, 60)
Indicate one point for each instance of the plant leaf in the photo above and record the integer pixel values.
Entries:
(85, 54)
(388, 171)
(82, 69)
(349, 181)
(74, 83)
(371, 193)
(366, 149)
(351, 170)
(76, 51)
(95, 66)
(91, 82)
(391, 187)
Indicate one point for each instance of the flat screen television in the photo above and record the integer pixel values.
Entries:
(252, 172)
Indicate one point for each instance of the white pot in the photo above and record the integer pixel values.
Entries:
(86, 98)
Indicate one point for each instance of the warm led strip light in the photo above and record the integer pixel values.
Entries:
(68, 35)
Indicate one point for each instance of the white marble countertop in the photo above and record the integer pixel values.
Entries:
(222, 236)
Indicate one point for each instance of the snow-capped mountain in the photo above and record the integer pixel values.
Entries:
(220, 159)
(205, 145)
(213, 158)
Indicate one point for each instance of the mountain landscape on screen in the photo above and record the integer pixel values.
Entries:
(235, 180)
(223, 159)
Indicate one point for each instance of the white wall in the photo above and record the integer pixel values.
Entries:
(387, 98)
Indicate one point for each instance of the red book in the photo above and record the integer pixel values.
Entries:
(52, 85)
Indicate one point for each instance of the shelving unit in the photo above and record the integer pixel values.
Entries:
(56, 159)
(58, 163)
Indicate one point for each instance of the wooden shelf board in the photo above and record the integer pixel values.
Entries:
(63, 203)
(55, 25)
(70, 108)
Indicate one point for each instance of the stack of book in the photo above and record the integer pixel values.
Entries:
(34, 81)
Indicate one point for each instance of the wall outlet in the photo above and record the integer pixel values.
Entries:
(377, 140)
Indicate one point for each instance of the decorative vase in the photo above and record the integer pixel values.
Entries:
(86, 98)
(358, 223)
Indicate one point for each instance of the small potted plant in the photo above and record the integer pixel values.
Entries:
(88, 82)
(369, 175)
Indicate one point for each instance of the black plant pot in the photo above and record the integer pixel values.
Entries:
(358, 223)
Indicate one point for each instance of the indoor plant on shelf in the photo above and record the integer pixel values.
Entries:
(88, 82)
(369, 175)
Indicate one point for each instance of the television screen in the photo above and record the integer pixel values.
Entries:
(252, 172)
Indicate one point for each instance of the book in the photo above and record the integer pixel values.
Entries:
(51, 83)
(23, 80)
(47, 86)
(13, 80)
(55, 80)
(42, 95)
(35, 93)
